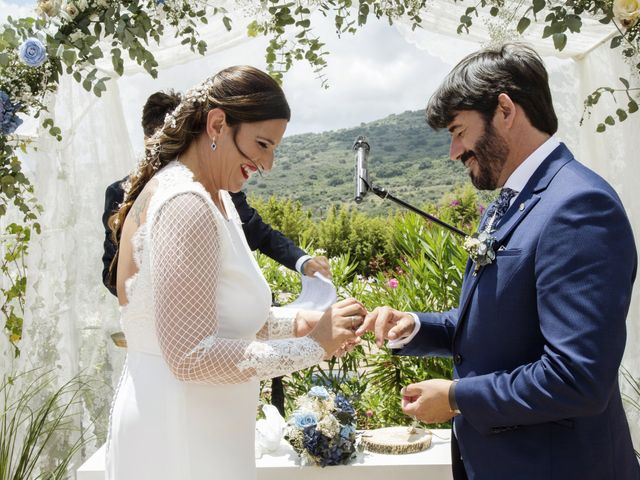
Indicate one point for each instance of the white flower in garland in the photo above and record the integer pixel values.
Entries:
(49, 8)
(70, 11)
(627, 11)
(77, 35)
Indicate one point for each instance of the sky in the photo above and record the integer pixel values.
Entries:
(371, 75)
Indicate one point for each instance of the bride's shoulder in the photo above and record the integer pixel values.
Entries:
(175, 181)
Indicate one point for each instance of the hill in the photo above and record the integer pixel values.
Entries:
(407, 158)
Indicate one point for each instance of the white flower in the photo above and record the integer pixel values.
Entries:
(329, 426)
(626, 11)
(75, 36)
(71, 10)
(50, 8)
(81, 4)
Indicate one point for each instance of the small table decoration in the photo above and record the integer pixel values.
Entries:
(322, 429)
(396, 440)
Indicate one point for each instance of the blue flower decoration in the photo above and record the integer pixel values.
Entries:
(304, 420)
(33, 52)
(9, 121)
(319, 392)
(346, 431)
(343, 405)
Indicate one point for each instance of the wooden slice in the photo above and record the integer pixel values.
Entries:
(396, 440)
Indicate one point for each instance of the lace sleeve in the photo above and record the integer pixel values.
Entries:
(279, 325)
(185, 254)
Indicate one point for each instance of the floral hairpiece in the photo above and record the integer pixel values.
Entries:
(196, 94)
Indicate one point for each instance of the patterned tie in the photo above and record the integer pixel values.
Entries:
(497, 209)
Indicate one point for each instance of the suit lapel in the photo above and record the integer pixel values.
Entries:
(522, 205)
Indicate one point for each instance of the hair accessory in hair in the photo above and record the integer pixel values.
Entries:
(170, 119)
(196, 94)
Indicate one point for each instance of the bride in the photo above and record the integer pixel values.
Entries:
(195, 307)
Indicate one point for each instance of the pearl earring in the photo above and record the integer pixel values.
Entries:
(213, 145)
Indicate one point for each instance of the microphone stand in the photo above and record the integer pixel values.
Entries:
(382, 193)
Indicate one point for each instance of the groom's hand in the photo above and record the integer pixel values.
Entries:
(428, 401)
(387, 323)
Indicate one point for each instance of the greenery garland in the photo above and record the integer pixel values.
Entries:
(70, 36)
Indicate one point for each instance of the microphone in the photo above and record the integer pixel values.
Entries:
(361, 147)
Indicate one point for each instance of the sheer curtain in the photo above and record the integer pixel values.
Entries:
(69, 313)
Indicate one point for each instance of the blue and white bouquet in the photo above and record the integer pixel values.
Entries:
(322, 429)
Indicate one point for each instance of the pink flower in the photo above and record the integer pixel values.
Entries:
(392, 283)
(369, 413)
(481, 208)
(454, 203)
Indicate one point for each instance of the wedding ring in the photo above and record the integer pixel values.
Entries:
(353, 323)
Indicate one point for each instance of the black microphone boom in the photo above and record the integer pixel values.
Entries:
(363, 186)
(361, 176)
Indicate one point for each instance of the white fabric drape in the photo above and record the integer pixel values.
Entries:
(69, 314)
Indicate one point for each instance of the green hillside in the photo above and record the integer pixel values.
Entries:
(407, 158)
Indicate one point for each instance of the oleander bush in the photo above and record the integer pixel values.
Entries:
(420, 269)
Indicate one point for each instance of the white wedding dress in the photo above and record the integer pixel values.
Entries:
(201, 334)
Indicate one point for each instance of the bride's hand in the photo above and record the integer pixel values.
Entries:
(306, 320)
(347, 347)
(338, 324)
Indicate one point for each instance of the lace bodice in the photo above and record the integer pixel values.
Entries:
(199, 298)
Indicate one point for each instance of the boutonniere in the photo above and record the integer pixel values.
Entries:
(481, 249)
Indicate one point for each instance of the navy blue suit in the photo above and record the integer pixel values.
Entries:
(260, 236)
(539, 334)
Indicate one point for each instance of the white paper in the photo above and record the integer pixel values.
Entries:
(318, 293)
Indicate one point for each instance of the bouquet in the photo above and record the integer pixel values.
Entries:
(322, 429)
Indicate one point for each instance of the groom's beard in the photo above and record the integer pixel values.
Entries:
(491, 152)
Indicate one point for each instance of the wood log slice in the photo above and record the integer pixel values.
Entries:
(396, 440)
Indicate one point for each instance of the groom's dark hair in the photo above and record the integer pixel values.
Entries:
(475, 83)
(156, 108)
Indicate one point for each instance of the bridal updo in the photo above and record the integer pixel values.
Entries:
(244, 93)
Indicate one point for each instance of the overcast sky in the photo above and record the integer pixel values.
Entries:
(371, 75)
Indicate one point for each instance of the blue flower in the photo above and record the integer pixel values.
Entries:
(343, 405)
(346, 431)
(319, 392)
(304, 420)
(9, 121)
(160, 2)
(32, 52)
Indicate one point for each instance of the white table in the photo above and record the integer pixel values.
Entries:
(431, 464)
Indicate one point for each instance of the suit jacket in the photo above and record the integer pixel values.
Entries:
(260, 236)
(539, 334)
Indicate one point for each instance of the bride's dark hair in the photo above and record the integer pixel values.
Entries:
(244, 93)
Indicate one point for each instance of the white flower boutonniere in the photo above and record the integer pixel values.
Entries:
(480, 247)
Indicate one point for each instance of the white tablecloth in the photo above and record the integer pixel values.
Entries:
(431, 464)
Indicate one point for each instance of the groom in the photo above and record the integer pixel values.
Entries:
(539, 333)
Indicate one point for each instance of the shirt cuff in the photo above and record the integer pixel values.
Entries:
(300, 263)
(401, 342)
